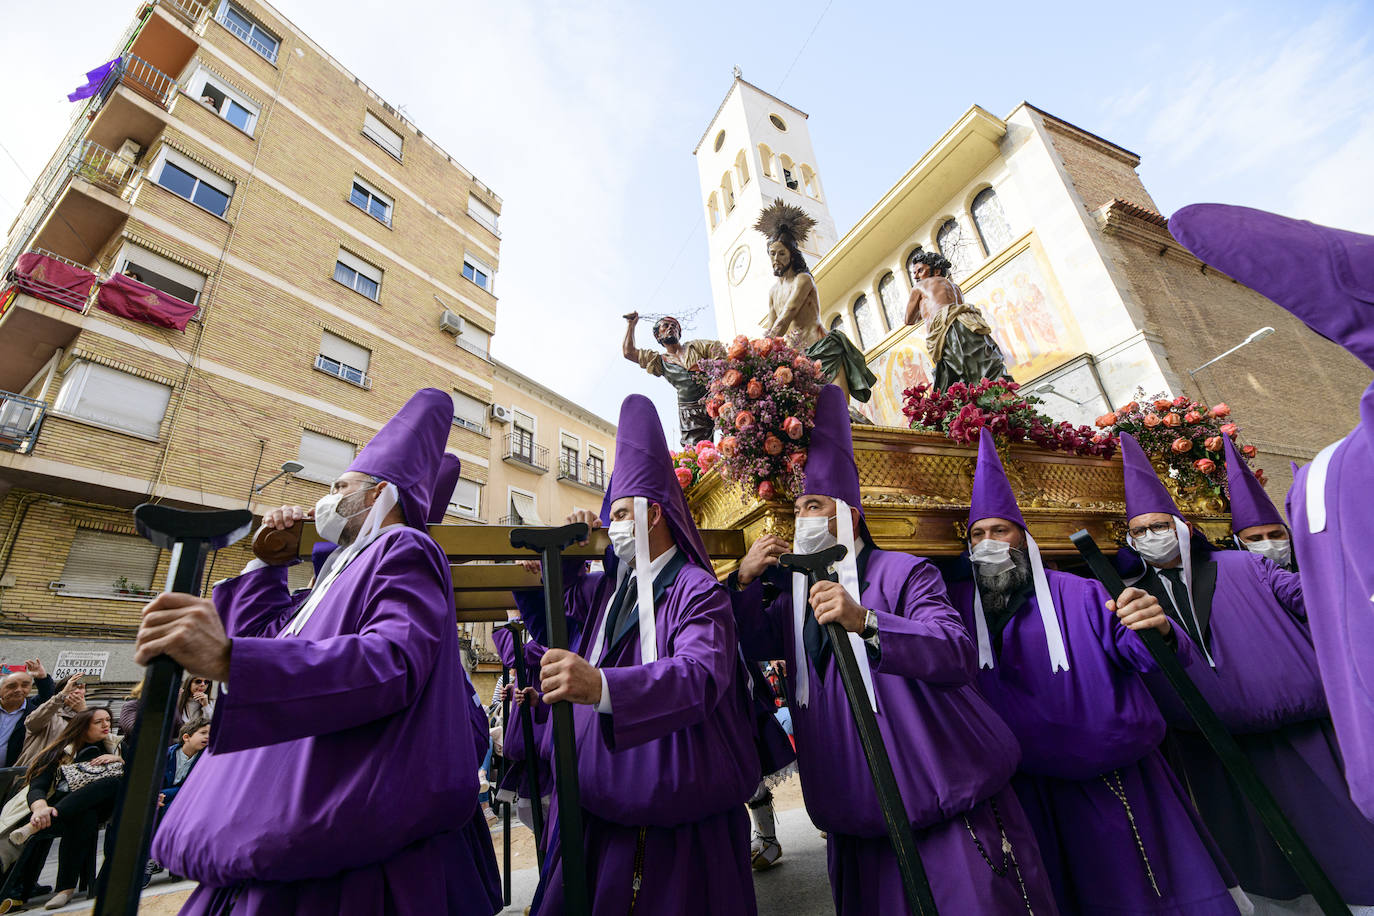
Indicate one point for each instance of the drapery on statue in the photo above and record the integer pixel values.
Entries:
(959, 338)
(794, 306)
(678, 364)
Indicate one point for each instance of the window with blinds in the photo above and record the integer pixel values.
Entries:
(380, 134)
(523, 509)
(344, 358)
(152, 269)
(467, 498)
(469, 413)
(101, 563)
(324, 457)
(112, 398)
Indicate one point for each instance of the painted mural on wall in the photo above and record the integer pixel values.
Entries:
(1030, 322)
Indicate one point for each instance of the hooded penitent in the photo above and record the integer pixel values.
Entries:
(1146, 493)
(1250, 505)
(993, 498)
(1325, 277)
(644, 472)
(831, 471)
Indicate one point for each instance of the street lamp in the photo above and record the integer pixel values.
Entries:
(1257, 335)
(1048, 388)
(288, 467)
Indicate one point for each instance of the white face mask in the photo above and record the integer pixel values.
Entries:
(1281, 552)
(813, 535)
(992, 556)
(1156, 548)
(622, 534)
(328, 522)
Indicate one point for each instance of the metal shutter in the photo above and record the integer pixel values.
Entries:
(98, 558)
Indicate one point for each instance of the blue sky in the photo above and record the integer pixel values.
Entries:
(583, 118)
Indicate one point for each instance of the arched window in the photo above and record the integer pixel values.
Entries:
(741, 169)
(766, 158)
(991, 221)
(837, 324)
(867, 323)
(893, 306)
(810, 182)
(727, 192)
(713, 210)
(956, 246)
(789, 172)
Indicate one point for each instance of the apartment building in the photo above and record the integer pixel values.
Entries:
(239, 260)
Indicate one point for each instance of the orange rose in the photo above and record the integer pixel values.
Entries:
(818, 368)
(772, 445)
(1163, 404)
(732, 378)
(793, 427)
(755, 389)
(728, 446)
(738, 349)
(1129, 408)
(1152, 420)
(767, 490)
(1220, 411)
(1192, 417)
(782, 375)
(796, 460)
(1230, 429)
(1259, 475)
(1182, 446)
(1173, 419)
(1205, 465)
(743, 420)
(1107, 419)
(713, 407)
(1248, 451)
(1213, 444)
(763, 346)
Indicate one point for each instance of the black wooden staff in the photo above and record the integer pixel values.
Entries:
(816, 567)
(505, 805)
(189, 536)
(522, 680)
(550, 543)
(1232, 757)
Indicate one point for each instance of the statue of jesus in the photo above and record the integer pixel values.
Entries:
(794, 308)
(959, 338)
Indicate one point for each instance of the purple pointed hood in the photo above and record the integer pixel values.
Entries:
(1145, 492)
(992, 495)
(644, 467)
(319, 552)
(406, 452)
(1324, 276)
(830, 467)
(450, 466)
(1250, 505)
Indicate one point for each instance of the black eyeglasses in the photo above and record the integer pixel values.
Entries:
(1157, 528)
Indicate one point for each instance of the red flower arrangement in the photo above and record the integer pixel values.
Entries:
(763, 399)
(1185, 434)
(690, 463)
(962, 411)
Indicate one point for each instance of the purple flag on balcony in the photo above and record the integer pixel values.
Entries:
(137, 301)
(93, 80)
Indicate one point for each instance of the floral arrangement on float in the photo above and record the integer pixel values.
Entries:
(962, 411)
(762, 396)
(690, 463)
(1182, 434)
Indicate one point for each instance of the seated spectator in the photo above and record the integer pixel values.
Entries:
(58, 811)
(45, 723)
(16, 704)
(192, 738)
(196, 701)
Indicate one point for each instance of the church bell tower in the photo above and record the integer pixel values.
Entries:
(756, 148)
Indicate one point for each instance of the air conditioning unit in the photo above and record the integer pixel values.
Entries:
(124, 160)
(451, 322)
(500, 413)
(129, 151)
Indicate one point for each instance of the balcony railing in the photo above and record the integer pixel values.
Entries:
(105, 169)
(510, 520)
(189, 11)
(69, 295)
(342, 370)
(474, 349)
(20, 420)
(143, 78)
(246, 35)
(592, 478)
(522, 450)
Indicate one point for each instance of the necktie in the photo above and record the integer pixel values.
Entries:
(816, 640)
(1183, 603)
(620, 605)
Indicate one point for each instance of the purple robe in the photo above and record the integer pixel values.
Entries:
(665, 776)
(952, 756)
(1338, 580)
(1266, 690)
(518, 757)
(1084, 733)
(341, 759)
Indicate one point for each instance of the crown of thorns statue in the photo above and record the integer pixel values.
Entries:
(780, 219)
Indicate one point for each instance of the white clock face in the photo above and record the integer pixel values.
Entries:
(739, 265)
